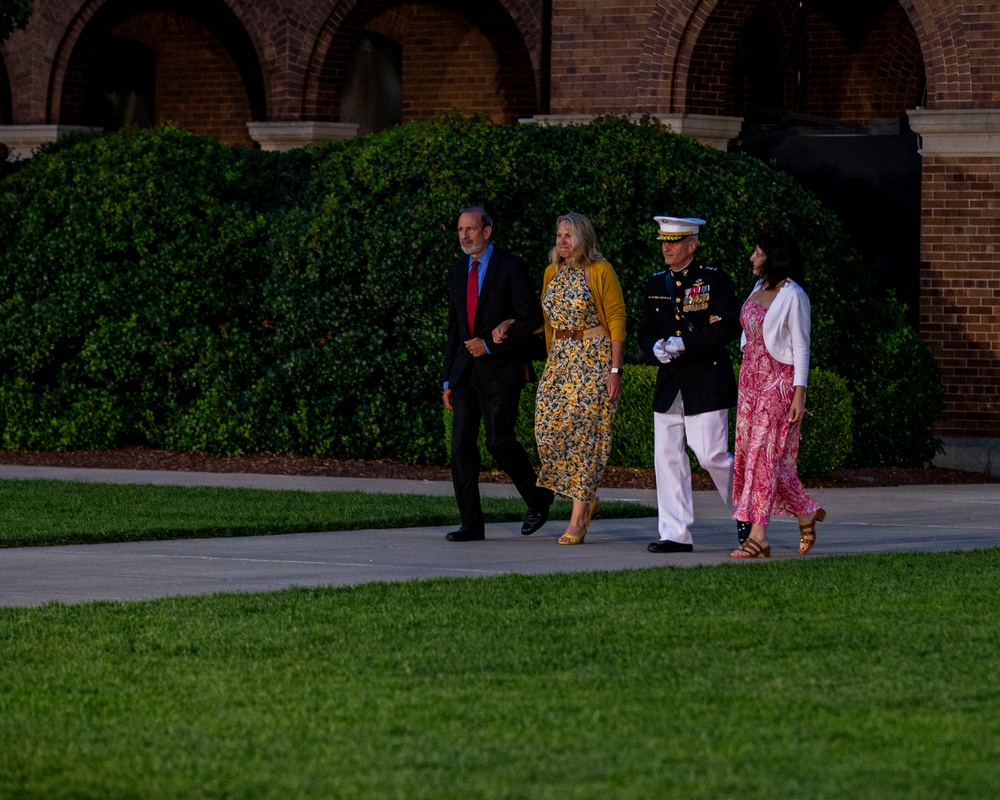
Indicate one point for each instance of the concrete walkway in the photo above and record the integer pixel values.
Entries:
(911, 518)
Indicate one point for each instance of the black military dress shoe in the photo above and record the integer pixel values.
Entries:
(668, 546)
(742, 530)
(465, 535)
(534, 519)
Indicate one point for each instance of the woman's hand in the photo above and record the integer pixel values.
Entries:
(614, 386)
(615, 378)
(500, 331)
(798, 409)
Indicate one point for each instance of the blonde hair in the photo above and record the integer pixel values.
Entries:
(584, 240)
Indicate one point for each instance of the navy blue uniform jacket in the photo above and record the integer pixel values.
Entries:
(681, 304)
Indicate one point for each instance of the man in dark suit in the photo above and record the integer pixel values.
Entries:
(689, 317)
(483, 379)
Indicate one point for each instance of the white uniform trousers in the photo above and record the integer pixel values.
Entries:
(708, 436)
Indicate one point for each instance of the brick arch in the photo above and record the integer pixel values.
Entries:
(711, 80)
(326, 65)
(879, 76)
(945, 50)
(93, 11)
(665, 63)
(665, 57)
(893, 60)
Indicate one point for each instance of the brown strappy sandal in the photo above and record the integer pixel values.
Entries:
(751, 548)
(807, 537)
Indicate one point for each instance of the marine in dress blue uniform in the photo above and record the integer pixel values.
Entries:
(690, 315)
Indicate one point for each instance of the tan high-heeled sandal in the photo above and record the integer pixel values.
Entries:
(807, 532)
(751, 548)
(571, 538)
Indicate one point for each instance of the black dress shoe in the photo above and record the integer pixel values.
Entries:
(465, 535)
(534, 519)
(742, 530)
(668, 546)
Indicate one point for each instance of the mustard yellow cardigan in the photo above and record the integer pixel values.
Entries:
(608, 297)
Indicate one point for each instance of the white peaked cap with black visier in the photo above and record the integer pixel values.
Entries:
(673, 229)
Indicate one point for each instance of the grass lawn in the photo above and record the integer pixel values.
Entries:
(844, 677)
(37, 513)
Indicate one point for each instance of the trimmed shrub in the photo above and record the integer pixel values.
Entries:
(826, 430)
(632, 442)
(131, 269)
(898, 387)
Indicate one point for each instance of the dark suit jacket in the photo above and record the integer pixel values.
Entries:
(703, 373)
(508, 293)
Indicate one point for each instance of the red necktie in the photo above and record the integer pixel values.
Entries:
(472, 295)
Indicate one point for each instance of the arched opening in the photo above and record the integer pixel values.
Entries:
(141, 64)
(373, 89)
(450, 55)
(121, 92)
(759, 70)
(823, 88)
(836, 64)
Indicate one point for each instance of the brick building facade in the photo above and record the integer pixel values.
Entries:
(279, 74)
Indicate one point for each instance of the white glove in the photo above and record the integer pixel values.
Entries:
(674, 345)
(660, 351)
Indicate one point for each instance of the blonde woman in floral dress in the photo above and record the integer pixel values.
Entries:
(579, 390)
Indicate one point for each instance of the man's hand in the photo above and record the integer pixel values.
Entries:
(477, 347)
(446, 399)
(674, 345)
(661, 353)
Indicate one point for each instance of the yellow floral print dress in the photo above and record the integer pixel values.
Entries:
(573, 414)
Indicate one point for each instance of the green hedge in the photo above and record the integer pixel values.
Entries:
(162, 288)
(897, 397)
(132, 269)
(826, 433)
(827, 436)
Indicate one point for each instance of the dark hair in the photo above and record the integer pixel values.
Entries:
(782, 258)
(484, 217)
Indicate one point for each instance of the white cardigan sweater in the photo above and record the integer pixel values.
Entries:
(786, 329)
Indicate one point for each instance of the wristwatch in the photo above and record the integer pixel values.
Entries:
(616, 370)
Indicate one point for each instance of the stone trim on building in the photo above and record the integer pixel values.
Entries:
(951, 132)
(23, 140)
(289, 135)
(712, 131)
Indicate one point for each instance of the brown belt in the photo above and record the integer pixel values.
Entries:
(587, 333)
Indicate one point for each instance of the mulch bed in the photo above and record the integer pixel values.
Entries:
(614, 477)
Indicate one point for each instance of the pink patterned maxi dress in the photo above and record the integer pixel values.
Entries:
(765, 479)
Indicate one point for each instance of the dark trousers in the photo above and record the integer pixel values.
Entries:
(498, 412)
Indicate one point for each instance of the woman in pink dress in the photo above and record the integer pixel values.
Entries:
(772, 398)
